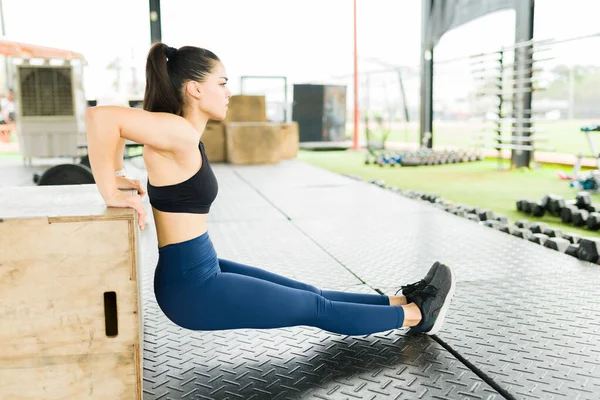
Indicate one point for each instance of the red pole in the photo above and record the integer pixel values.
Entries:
(355, 137)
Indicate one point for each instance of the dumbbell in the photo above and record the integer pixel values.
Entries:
(462, 213)
(440, 206)
(538, 238)
(566, 214)
(429, 197)
(554, 204)
(523, 205)
(522, 233)
(507, 228)
(412, 194)
(472, 217)
(378, 182)
(537, 208)
(572, 250)
(502, 218)
(445, 202)
(583, 200)
(593, 208)
(593, 221)
(589, 250)
(484, 214)
(580, 217)
(558, 244)
(539, 227)
(490, 223)
(523, 223)
(553, 232)
(468, 209)
(572, 237)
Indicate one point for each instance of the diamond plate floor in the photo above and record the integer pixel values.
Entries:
(292, 363)
(537, 336)
(525, 322)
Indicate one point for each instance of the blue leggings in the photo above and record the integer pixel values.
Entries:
(199, 291)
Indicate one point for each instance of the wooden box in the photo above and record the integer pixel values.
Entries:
(245, 108)
(289, 140)
(70, 307)
(213, 138)
(253, 142)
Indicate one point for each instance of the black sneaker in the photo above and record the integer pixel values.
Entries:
(409, 289)
(434, 300)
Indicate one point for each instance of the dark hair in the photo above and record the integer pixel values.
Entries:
(167, 71)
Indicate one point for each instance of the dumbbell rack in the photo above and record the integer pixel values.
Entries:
(505, 85)
(423, 156)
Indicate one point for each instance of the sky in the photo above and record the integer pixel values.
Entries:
(307, 41)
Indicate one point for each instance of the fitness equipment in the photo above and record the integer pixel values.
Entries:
(593, 221)
(577, 211)
(508, 228)
(76, 174)
(553, 232)
(572, 237)
(589, 181)
(523, 223)
(538, 238)
(522, 233)
(580, 217)
(572, 250)
(589, 250)
(85, 160)
(422, 156)
(539, 227)
(583, 200)
(585, 249)
(566, 214)
(65, 174)
(558, 244)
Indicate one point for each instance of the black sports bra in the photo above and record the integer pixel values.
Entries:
(195, 195)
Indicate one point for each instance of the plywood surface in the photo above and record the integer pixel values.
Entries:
(253, 142)
(88, 376)
(53, 278)
(66, 201)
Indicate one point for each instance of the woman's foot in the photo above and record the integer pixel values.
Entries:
(408, 290)
(434, 299)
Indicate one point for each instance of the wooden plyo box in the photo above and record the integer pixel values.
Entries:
(247, 108)
(253, 142)
(290, 140)
(214, 141)
(70, 296)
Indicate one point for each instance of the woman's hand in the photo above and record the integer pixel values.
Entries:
(124, 183)
(126, 200)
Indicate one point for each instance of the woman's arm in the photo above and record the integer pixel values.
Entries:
(109, 126)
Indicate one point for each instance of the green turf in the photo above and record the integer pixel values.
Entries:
(477, 184)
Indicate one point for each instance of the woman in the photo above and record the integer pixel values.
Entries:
(194, 288)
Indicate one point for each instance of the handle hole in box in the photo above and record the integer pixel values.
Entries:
(110, 314)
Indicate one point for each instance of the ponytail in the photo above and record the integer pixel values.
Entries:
(168, 69)
(161, 95)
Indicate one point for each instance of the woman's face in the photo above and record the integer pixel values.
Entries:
(214, 94)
